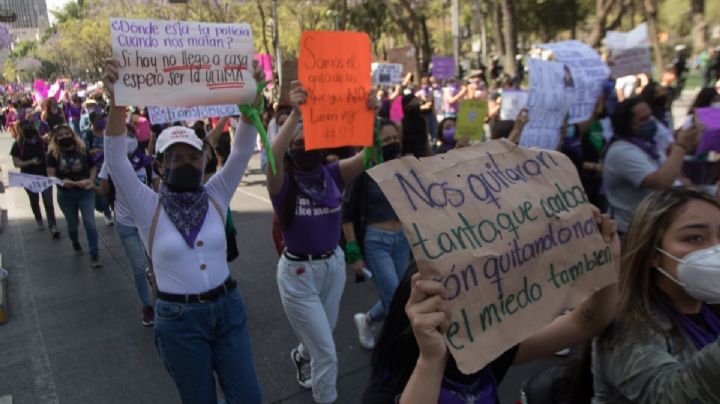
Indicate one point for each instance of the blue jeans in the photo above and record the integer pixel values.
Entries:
(195, 339)
(138, 261)
(387, 255)
(71, 202)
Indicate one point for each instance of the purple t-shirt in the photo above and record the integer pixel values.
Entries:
(314, 229)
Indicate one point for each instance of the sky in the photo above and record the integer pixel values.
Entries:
(54, 5)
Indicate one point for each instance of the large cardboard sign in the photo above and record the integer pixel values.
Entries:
(507, 231)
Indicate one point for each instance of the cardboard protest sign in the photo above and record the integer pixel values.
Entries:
(405, 56)
(588, 74)
(33, 183)
(159, 115)
(512, 103)
(509, 233)
(387, 74)
(710, 119)
(179, 63)
(471, 120)
(549, 99)
(443, 67)
(629, 51)
(337, 79)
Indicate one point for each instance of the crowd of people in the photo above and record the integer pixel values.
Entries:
(166, 188)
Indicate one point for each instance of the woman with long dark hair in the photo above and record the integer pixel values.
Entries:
(306, 197)
(632, 166)
(28, 153)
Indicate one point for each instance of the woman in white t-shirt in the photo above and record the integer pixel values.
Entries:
(200, 320)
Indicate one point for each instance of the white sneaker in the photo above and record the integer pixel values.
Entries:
(365, 332)
(109, 221)
(563, 352)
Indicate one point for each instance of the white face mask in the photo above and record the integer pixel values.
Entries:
(698, 273)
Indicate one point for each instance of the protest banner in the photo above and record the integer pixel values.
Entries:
(159, 115)
(386, 74)
(443, 67)
(406, 57)
(629, 51)
(33, 183)
(512, 103)
(337, 79)
(549, 98)
(507, 231)
(588, 75)
(471, 120)
(182, 63)
(710, 119)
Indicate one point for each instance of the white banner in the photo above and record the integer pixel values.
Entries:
(158, 115)
(512, 103)
(588, 74)
(386, 74)
(629, 51)
(33, 183)
(182, 63)
(550, 96)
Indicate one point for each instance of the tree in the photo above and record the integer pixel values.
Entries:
(510, 36)
(411, 18)
(700, 28)
(497, 29)
(651, 11)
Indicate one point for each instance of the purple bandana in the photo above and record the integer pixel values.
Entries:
(483, 391)
(319, 187)
(186, 210)
(698, 335)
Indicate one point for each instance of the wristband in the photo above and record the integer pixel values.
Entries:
(353, 253)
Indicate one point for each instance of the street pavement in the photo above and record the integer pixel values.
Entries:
(74, 333)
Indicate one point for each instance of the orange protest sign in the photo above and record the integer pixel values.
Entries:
(334, 68)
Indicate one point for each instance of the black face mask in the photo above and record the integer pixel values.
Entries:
(305, 160)
(185, 178)
(66, 142)
(391, 151)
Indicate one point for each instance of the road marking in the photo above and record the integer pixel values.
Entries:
(258, 197)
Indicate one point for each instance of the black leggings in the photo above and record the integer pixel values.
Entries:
(47, 196)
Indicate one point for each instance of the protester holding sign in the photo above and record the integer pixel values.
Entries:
(664, 345)
(200, 321)
(632, 166)
(67, 160)
(411, 363)
(28, 154)
(306, 198)
(373, 236)
(446, 135)
(657, 97)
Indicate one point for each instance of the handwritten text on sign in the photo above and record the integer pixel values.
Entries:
(334, 68)
(173, 114)
(550, 96)
(588, 74)
(509, 233)
(178, 63)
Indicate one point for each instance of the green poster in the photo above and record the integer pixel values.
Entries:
(471, 120)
